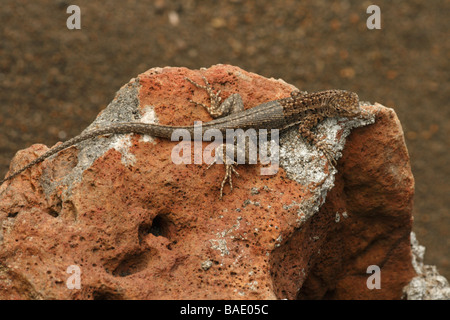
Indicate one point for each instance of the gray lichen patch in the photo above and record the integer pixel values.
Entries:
(124, 108)
(428, 284)
(305, 164)
(220, 245)
(206, 265)
(220, 241)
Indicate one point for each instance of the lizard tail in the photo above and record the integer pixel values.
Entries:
(41, 158)
(54, 150)
(117, 128)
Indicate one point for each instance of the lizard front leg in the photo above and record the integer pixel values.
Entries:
(217, 108)
(305, 131)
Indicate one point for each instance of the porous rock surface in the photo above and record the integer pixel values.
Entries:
(138, 226)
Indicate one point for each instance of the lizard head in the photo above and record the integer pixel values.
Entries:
(345, 103)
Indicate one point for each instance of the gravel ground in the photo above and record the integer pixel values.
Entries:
(54, 81)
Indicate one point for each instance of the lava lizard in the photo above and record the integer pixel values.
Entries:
(303, 109)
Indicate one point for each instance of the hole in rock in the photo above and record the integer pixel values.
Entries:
(106, 294)
(133, 263)
(160, 226)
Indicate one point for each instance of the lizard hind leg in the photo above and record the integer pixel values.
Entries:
(217, 108)
(222, 157)
(229, 170)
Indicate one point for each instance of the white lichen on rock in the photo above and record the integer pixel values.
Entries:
(428, 284)
(124, 108)
(306, 165)
(149, 116)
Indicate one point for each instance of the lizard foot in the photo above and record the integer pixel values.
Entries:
(214, 109)
(327, 152)
(229, 170)
(230, 165)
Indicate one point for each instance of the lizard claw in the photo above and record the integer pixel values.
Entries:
(327, 153)
(331, 160)
(230, 165)
(198, 103)
(215, 100)
(229, 170)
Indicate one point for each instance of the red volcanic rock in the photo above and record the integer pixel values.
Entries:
(366, 220)
(116, 216)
